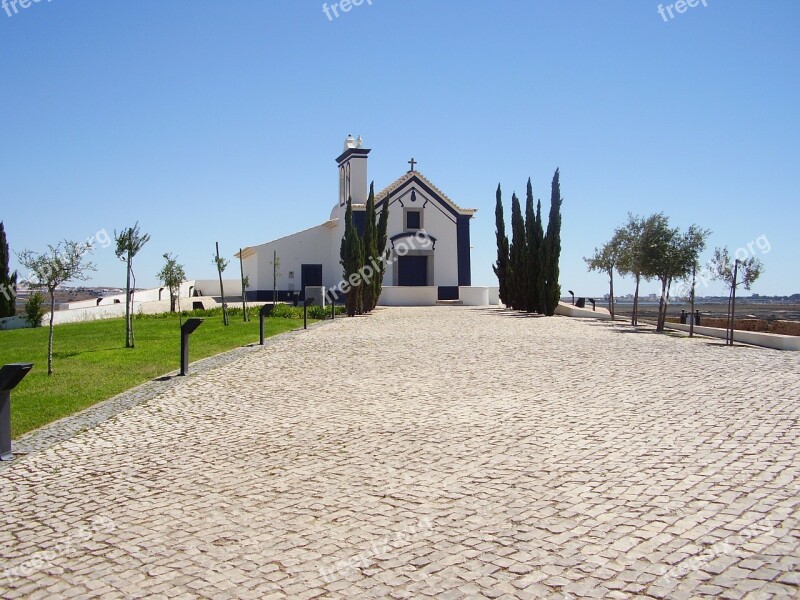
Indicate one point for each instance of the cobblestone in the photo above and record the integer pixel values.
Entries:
(426, 452)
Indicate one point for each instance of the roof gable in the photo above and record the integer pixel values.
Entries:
(428, 186)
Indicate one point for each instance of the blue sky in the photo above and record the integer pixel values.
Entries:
(220, 121)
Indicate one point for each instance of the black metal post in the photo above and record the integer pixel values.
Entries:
(733, 298)
(262, 314)
(186, 330)
(10, 376)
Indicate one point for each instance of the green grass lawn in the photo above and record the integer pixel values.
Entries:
(91, 363)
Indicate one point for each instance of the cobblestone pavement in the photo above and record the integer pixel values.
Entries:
(429, 452)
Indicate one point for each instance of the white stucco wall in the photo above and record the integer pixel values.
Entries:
(408, 296)
(312, 246)
(436, 222)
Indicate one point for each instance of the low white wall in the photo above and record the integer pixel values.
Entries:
(568, 310)
(474, 296)
(767, 340)
(115, 311)
(210, 287)
(8, 323)
(494, 296)
(408, 296)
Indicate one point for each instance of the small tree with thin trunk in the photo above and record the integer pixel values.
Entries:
(276, 264)
(245, 285)
(660, 255)
(65, 262)
(172, 275)
(221, 265)
(734, 273)
(630, 257)
(605, 260)
(129, 242)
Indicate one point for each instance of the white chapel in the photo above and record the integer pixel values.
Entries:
(428, 238)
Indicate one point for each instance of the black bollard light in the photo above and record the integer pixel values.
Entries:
(10, 376)
(262, 314)
(306, 303)
(186, 330)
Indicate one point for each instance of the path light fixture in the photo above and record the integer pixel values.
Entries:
(10, 376)
(186, 330)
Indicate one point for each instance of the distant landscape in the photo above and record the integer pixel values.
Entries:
(785, 308)
(754, 307)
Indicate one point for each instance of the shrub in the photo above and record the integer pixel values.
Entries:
(34, 309)
(286, 311)
(279, 311)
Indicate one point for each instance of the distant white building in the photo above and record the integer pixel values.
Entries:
(428, 236)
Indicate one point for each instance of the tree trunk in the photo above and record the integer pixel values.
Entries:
(274, 277)
(244, 291)
(666, 305)
(635, 315)
(611, 292)
(133, 293)
(733, 299)
(128, 304)
(171, 302)
(222, 291)
(694, 287)
(662, 306)
(50, 337)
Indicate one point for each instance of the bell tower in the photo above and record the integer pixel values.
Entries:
(353, 171)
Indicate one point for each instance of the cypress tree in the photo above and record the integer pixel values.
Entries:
(8, 282)
(517, 256)
(382, 236)
(531, 258)
(351, 258)
(552, 245)
(370, 252)
(501, 267)
(539, 257)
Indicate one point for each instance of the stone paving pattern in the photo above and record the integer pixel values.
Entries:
(429, 452)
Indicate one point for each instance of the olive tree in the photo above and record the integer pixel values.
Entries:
(606, 260)
(129, 242)
(59, 264)
(172, 275)
(742, 271)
